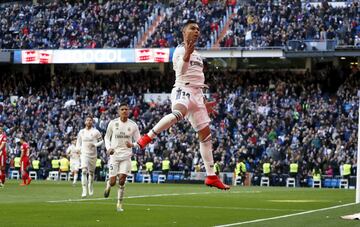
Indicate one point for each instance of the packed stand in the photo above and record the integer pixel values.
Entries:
(265, 116)
(264, 23)
(118, 24)
(208, 15)
(62, 25)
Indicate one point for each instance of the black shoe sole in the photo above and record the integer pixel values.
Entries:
(106, 194)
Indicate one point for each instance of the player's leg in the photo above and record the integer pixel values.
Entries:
(124, 170)
(113, 172)
(2, 169)
(199, 119)
(75, 176)
(74, 168)
(207, 156)
(180, 102)
(121, 190)
(24, 174)
(27, 172)
(84, 177)
(92, 166)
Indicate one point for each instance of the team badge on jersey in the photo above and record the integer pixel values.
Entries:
(116, 124)
(129, 129)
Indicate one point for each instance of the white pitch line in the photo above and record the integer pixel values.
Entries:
(201, 207)
(147, 196)
(285, 216)
(209, 207)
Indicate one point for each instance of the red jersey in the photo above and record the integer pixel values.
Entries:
(25, 150)
(3, 140)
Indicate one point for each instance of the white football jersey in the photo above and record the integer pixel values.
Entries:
(87, 140)
(188, 73)
(118, 133)
(73, 152)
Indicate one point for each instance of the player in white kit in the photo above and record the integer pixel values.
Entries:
(74, 154)
(120, 135)
(88, 140)
(188, 101)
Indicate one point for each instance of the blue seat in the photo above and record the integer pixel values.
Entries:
(177, 177)
(155, 178)
(139, 177)
(327, 183)
(334, 183)
(310, 182)
(170, 177)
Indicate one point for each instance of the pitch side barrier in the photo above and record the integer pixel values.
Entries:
(293, 49)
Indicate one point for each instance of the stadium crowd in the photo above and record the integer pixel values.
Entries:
(275, 117)
(65, 25)
(262, 24)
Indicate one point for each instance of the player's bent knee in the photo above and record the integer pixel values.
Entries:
(178, 115)
(112, 181)
(181, 109)
(206, 139)
(84, 171)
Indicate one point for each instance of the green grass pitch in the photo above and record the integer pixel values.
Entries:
(49, 203)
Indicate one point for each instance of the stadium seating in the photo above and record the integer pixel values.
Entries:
(344, 183)
(161, 178)
(251, 27)
(290, 182)
(237, 180)
(33, 175)
(14, 174)
(63, 176)
(146, 178)
(53, 175)
(327, 183)
(335, 183)
(130, 178)
(70, 176)
(316, 183)
(265, 181)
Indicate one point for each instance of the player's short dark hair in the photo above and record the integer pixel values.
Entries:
(123, 104)
(190, 21)
(89, 116)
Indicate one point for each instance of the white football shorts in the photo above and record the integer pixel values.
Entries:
(74, 165)
(193, 99)
(89, 163)
(119, 166)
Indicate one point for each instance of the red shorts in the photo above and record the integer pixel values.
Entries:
(3, 159)
(24, 163)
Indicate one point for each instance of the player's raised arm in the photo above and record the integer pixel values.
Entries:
(180, 66)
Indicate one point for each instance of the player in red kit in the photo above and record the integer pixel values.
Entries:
(25, 162)
(2, 155)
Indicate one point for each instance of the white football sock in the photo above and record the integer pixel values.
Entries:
(207, 156)
(108, 185)
(84, 181)
(75, 178)
(90, 183)
(121, 190)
